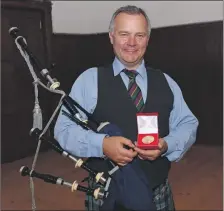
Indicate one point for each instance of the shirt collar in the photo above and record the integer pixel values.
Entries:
(118, 67)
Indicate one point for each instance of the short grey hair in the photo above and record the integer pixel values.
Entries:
(131, 10)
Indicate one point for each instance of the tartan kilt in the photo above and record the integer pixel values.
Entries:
(162, 197)
(90, 203)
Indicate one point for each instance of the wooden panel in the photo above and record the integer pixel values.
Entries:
(17, 88)
(195, 62)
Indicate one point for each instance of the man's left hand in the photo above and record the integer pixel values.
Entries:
(152, 154)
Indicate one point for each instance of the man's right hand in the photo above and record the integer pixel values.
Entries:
(113, 147)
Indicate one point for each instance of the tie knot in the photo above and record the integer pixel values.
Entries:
(130, 73)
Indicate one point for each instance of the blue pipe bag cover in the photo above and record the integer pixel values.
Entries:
(129, 189)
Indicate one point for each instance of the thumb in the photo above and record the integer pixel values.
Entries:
(160, 144)
(127, 142)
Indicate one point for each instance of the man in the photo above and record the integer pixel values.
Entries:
(103, 92)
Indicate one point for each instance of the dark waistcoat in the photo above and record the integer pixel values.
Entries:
(115, 105)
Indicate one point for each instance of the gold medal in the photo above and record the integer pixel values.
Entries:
(148, 139)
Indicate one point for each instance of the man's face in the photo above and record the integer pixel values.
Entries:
(130, 39)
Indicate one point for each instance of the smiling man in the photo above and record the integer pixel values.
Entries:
(115, 93)
(129, 35)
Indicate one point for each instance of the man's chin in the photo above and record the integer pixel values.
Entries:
(131, 61)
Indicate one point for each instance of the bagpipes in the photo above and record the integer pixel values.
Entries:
(125, 186)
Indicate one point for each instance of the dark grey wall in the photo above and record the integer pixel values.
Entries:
(191, 54)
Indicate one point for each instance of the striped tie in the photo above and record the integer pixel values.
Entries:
(134, 90)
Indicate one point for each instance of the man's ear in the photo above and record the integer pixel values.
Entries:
(148, 40)
(147, 44)
(111, 37)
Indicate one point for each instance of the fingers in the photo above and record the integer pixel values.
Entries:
(133, 151)
(142, 158)
(128, 153)
(163, 145)
(148, 154)
(160, 146)
(127, 142)
(124, 160)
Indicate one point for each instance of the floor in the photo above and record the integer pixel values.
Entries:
(197, 182)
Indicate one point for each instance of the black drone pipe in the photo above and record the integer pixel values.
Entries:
(98, 176)
(68, 102)
(48, 178)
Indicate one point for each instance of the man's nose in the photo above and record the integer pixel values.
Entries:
(131, 41)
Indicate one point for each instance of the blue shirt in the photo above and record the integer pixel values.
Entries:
(86, 143)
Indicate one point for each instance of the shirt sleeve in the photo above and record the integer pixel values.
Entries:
(72, 137)
(182, 125)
